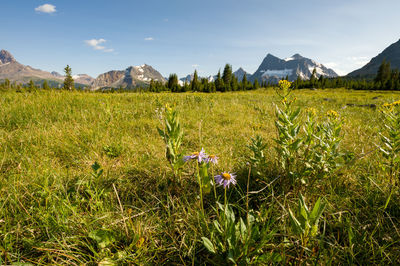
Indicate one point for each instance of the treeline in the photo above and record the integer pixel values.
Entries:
(31, 86)
(385, 79)
(225, 82)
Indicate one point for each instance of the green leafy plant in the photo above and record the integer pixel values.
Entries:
(172, 134)
(288, 138)
(238, 241)
(304, 223)
(112, 151)
(322, 141)
(93, 194)
(390, 141)
(258, 160)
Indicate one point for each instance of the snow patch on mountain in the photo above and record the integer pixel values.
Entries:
(278, 73)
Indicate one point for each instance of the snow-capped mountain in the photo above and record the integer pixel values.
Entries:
(133, 76)
(273, 69)
(190, 77)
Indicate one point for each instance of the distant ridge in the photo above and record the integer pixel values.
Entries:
(390, 54)
(16, 72)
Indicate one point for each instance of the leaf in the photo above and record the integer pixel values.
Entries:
(317, 210)
(296, 226)
(243, 228)
(96, 166)
(209, 246)
(103, 237)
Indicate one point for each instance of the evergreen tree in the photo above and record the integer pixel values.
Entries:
(256, 85)
(234, 83)
(244, 83)
(219, 83)
(31, 85)
(7, 84)
(194, 84)
(173, 84)
(68, 81)
(313, 77)
(45, 85)
(227, 76)
(383, 74)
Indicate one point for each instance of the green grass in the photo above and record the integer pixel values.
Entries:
(49, 140)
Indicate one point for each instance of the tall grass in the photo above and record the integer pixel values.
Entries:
(58, 207)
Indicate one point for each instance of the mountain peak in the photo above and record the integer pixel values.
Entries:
(297, 56)
(6, 57)
(272, 69)
(271, 56)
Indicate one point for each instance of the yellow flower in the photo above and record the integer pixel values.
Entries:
(311, 111)
(332, 114)
(284, 84)
(396, 103)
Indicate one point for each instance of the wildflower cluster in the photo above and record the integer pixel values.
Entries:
(201, 157)
(283, 89)
(311, 111)
(204, 160)
(388, 107)
(332, 114)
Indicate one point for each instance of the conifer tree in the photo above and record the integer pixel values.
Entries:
(256, 85)
(194, 84)
(219, 83)
(68, 81)
(173, 84)
(46, 85)
(31, 85)
(313, 77)
(234, 83)
(244, 83)
(384, 73)
(227, 76)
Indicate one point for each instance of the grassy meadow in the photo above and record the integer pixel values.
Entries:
(57, 208)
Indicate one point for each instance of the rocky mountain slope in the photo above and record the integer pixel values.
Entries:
(14, 71)
(272, 69)
(390, 54)
(131, 77)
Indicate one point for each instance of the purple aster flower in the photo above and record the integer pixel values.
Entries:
(225, 179)
(200, 156)
(211, 159)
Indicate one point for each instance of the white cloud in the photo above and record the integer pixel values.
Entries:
(359, 60)
(195, 65)
(96, 45)
(46, 8)
(149, 39)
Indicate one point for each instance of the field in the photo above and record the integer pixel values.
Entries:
(57, 207)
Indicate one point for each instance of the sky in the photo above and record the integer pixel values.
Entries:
(178, 36)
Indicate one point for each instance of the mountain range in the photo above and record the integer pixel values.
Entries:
(271, 69)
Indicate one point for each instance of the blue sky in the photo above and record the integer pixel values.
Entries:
(177, 36)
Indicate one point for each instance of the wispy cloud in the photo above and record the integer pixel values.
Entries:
(358, 60)
(149, 39)
(195, 65)
(347, 64)
(96, 45)
(46, 8)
